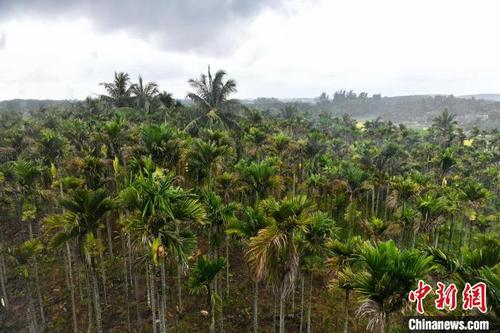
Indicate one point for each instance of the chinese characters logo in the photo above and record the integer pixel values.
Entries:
(473, 297)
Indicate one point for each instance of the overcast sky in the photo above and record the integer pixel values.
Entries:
(62, 49)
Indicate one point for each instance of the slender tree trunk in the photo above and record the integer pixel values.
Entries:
(310, 305)
(163, 322)
(30, 321)
(37, 281)
(179, 287)
(148, 286)
(153, 297)
(71, 288)
(227, 267)
(137, 303)
(126, 286)
(274, 314)
(3, 284)
(89, 301)
(109, 230)
(346, 311)
(211, 304)
(97, 302)
(31, 306)
(282, 312)
(39, 293)
(255, 306)
(103, 272)
(301, 302)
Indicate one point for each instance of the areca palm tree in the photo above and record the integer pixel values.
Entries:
(211, 94)
(314, 249)
(204, 159)
(201, 280)
(274, 252)
(261, 177)
(164, 144)
(158, 211)
(343, 253)
(386, 278)
(118, 91)
(253, 221)
(80, 222)
(25, 255)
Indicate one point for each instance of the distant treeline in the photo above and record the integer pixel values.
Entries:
(409, 110)
(416, 111)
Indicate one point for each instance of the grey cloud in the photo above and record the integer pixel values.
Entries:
(201, 26)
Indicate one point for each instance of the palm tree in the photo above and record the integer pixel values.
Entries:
(211, 94)
(201, 280)
(204, 158)
(343, 254)
(164, 144)
(445, 123)
(80, 222)
(158, 211)
(314, 249)
(118, 91)
(144, 94)
(274, 252)
(261, 177)
(386, 278)
(253, 221)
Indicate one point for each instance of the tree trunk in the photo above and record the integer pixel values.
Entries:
(163, 322)
(255, 306)
(309, 306)
(301, 302)
(71, 287)
(179, 287)
(109, 231)
(103, 272)
(282, 312)
(3, 284)
(31, 306)
(137, 303)
(227, 267)
(152, 294)
(346, 311)
(274, 314)
(126, 286)
(89, 302)
(97, 302)
(211, 304)
(39, 292)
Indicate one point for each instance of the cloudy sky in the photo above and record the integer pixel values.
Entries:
(63, 49)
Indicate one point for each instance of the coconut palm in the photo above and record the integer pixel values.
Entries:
(118, 91)
(274, 252)
(143, 94)
(211, 95)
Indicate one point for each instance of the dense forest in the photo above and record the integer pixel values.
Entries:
(136, 212)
